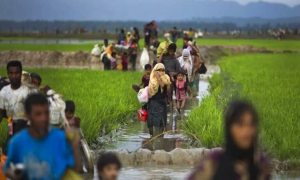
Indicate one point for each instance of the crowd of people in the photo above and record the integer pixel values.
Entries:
(37, 150)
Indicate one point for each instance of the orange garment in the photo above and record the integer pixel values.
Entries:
(2, 162)
(110, 49)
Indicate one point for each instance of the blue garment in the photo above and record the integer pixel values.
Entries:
(44, 159)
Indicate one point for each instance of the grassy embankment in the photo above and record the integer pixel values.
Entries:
(271, 82)
(268, 43)
(103, 99)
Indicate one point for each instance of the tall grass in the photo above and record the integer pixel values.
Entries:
(271, 82)
(104, 99)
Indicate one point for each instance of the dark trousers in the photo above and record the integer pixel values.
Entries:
(18, 126)
(133, 61)
(171, 90)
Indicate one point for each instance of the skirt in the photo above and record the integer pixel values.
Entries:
(157, 113)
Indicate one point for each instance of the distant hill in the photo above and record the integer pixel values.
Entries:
(140, 10)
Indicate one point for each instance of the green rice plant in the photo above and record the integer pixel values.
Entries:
(271, 82)
(104, 99)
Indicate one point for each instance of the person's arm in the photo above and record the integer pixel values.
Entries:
(159, 60)
(11, 158)
(74, 158)
(190, 91)
(161, 84)
(177, 66)
(2, 111)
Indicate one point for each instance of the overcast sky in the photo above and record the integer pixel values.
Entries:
(288, 2)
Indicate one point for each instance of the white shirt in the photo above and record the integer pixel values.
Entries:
(12, 101)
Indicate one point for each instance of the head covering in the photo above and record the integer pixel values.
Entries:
(167, 36)
(232, 152)
(186, 64)
(154, 84)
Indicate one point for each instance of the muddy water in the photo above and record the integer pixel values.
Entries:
(135, 136)
(52, 41)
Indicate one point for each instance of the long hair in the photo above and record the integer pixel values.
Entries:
(232, 153)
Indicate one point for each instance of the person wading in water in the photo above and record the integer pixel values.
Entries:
(240, 159)
(172, 68)
(157, 105)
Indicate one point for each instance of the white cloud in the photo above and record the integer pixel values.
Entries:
(287, 2)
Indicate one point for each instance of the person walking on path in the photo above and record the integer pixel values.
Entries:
(157, 105)
(240, 159)
(121, 36)
(174, 34)
(163, 46)
(46, 153)
(172, 67)
(12, 98)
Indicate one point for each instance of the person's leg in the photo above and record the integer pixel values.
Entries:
(178, 105)
(170, 97)
(182, 105)
(134, 61)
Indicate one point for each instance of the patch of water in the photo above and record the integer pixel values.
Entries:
(53, 41)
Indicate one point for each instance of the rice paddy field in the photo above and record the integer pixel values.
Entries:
(268, 43)
(271, 82)
(104, 100)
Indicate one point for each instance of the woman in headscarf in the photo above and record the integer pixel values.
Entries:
(186, 64)
(157, 108)
(240, 159)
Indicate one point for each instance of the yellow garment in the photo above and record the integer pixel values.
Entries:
(154, 84)
(119, 66)
(70, 174)
(128, 37)
(110, 49)
(191, 34)
(161, 47)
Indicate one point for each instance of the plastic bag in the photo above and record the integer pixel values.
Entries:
(57, 109)
(96, 51)
(144, 58)
(143, 95)
(26, 78)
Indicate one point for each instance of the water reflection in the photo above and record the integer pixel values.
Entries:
(52, 41)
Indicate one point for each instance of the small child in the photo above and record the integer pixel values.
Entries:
(125, 61)
(113, 61)
(145, 79)
(181, 88)
(74, 121)
(108, 166)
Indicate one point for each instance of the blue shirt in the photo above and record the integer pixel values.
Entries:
(44, 159)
